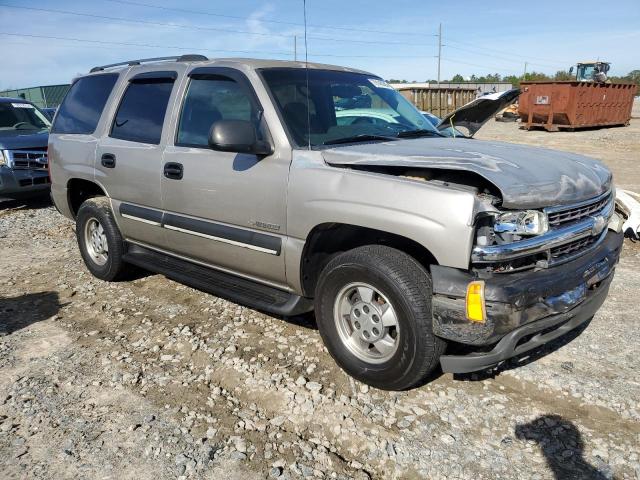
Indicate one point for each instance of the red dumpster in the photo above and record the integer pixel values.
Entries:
(571, 105)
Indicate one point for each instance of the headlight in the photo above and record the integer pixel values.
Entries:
(527, 222)
(3, 159)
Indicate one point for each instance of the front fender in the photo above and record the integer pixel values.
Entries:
(435, 216)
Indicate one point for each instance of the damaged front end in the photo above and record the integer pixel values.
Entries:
(512, 240)
(543, 272)
(544, 240)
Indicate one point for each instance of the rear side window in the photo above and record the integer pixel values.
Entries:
(142, 110)
(81, 109)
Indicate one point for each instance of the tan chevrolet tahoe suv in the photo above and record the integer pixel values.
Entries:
(290, 187)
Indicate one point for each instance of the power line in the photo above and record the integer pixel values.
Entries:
(93, 43)
(489, 69)
(201, 27)
(263, 34)
(280, 22)
(503, 52)
(146, 45)
(144, 22)
(68, 45)
(504, 59)
(373, 42)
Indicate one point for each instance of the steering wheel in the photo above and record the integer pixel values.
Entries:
(363, 120)
(19, 124)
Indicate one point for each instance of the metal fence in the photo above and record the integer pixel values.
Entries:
(480, 87)
(49, 96)
(439, 101)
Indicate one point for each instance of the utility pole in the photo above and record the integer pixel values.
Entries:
(439, 50)
(525, 70)
(295, 48)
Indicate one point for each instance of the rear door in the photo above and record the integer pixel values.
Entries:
(129, 156)
(225, 209)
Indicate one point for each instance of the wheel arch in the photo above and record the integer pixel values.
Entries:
(326, 240)
(79, 190)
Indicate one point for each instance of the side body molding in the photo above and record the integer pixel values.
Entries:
(212, 230)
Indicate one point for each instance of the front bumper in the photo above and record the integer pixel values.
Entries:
(525, 309)
(17, 182)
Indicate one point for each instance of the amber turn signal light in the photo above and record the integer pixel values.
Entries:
(475, 306)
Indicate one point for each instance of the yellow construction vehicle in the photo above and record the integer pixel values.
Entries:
(591, 71)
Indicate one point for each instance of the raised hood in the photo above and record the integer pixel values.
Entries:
(527, 177)
(476, 113)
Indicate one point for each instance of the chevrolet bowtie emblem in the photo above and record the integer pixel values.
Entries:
(599, 223)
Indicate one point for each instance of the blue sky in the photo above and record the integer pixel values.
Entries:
(393, 39)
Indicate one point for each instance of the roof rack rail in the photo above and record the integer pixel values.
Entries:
(180, 58)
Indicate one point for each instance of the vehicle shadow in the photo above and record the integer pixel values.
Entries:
(243, 162)
(563, 448)
(27, 203)
(527, 357)
(304, 320)
(24, 310)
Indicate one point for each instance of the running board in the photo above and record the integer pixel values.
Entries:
(225, 285)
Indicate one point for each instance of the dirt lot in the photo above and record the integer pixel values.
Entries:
(151, 379)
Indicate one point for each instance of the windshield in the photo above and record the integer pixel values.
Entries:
(340, 106)
(585, 72)
(21, 116)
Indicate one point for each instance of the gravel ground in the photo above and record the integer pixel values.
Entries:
(152, 379)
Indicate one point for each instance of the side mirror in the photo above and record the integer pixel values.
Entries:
(570, 70)
(237, 136)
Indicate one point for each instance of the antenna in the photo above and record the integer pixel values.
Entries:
(306, 68)
(439, 50)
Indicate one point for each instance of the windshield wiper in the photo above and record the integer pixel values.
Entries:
(419, 133)
(358, 138)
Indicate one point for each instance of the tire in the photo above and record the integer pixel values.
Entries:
(109, 266)
(399, 282)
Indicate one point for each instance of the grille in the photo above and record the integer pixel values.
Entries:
(570, 214)
(28, 159)
(27, 182)
(579, 237)
(40, 180)
(568, 249)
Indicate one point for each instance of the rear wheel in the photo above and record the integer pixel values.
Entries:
(99, 239)
(373, 309)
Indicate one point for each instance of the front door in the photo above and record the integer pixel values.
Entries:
(129, 157)
(224, 209)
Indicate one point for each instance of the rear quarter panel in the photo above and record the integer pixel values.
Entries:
(73, 155)
(70, 156)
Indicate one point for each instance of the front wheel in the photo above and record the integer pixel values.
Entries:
(373, 309)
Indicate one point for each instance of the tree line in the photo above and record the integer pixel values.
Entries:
(560, 75)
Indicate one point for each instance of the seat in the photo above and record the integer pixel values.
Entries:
(296, 114)
(197, 123)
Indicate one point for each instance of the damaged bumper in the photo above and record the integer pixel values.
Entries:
(523, 310)
(19, 182)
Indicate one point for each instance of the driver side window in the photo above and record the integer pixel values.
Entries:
(209, 99)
